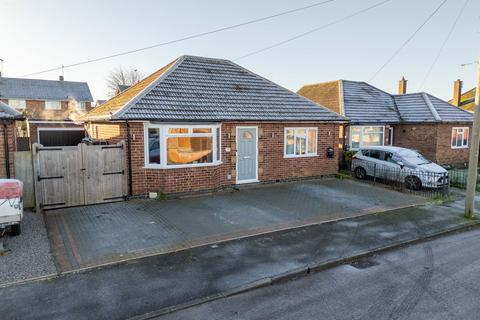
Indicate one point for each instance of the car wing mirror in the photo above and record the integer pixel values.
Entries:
(400, 163)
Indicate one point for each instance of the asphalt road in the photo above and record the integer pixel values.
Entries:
(433, 280)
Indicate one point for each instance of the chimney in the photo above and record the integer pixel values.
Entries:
(60, 78)
(402, 86)
(457, 93)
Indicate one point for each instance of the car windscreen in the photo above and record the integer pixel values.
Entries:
(413, 157)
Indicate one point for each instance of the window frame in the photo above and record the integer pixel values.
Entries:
(53, 109)
(463, 136)
(362, 130)
(216, 133)
(23, 102)
(294, 155)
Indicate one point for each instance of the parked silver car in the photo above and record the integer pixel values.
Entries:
(398, 164)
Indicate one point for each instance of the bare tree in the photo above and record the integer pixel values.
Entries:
(122, 77)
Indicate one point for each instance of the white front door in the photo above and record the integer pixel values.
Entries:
(247, 154)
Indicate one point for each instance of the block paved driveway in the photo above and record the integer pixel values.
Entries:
(94, 235)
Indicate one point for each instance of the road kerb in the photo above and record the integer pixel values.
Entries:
(302, 271)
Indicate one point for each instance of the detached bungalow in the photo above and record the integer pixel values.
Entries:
(8, 116)
(418, 121)
(201, 124)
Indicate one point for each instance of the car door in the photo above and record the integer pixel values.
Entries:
(377, 165)
(392, 168)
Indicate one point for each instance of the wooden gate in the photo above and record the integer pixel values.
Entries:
(80, 175)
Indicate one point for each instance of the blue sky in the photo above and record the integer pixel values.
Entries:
(37, 35)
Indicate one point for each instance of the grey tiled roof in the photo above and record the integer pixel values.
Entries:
(206, 89)
(364, 103)
(34, 89)
(8, 113)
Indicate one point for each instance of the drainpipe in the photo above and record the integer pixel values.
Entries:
(129, 159)
(345, 127)
(7, 152)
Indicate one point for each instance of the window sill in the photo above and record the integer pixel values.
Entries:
(180, 166)
(300, 156)
(465, 147)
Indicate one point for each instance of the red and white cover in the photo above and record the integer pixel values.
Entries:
(11, 188)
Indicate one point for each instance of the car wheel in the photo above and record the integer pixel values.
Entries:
(360, 173)
(15, 230)
(413, 183)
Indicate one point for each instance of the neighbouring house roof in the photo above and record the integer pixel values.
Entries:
(34, 89)
(8, 113)
(467, 100)
(205, 89)
(363, 103)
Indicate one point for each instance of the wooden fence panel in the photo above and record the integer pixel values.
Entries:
(24, 172)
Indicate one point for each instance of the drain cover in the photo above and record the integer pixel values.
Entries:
(364, 264)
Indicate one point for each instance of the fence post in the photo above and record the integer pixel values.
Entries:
(446, 185)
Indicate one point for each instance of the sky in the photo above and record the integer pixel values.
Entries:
(39, 35)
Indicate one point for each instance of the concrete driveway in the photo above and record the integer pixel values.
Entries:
(95, 235)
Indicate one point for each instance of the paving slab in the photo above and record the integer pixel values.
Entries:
(150, 285)
(90, 236)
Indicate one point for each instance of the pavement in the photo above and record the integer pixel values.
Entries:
(433, 280)
(152, 286)
(29, 255)
(90, 236)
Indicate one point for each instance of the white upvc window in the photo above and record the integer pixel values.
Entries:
(300, 142)
(17, 103)
(366, 136)
(53, 105)
(81, 105)
(460, 137)
(180, 146)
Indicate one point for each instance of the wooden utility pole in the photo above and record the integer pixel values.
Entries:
(473, 157)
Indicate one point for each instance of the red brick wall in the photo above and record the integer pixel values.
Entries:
(445, 153)
(272, 164)
(11, 147)
(421, 137)
(35, 109)
(433, 141)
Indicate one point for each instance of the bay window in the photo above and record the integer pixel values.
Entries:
(169, 146)
(300, 142)
(366, 136)
(460, 137)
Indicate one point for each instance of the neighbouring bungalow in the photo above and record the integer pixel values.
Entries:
(51, 108)
(8, 116)
(465, 100)
(418, 121)
(201, 124)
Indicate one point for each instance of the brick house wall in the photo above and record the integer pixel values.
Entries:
(328, 96)
(433, 141)
(421, 137)
(272, 166)
(445, 153)
(11, 147)
(35, 109)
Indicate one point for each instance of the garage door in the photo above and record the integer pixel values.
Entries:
(59, 138)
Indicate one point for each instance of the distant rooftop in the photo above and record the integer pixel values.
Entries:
(34, 89)
(8, 113)
(364, 103)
